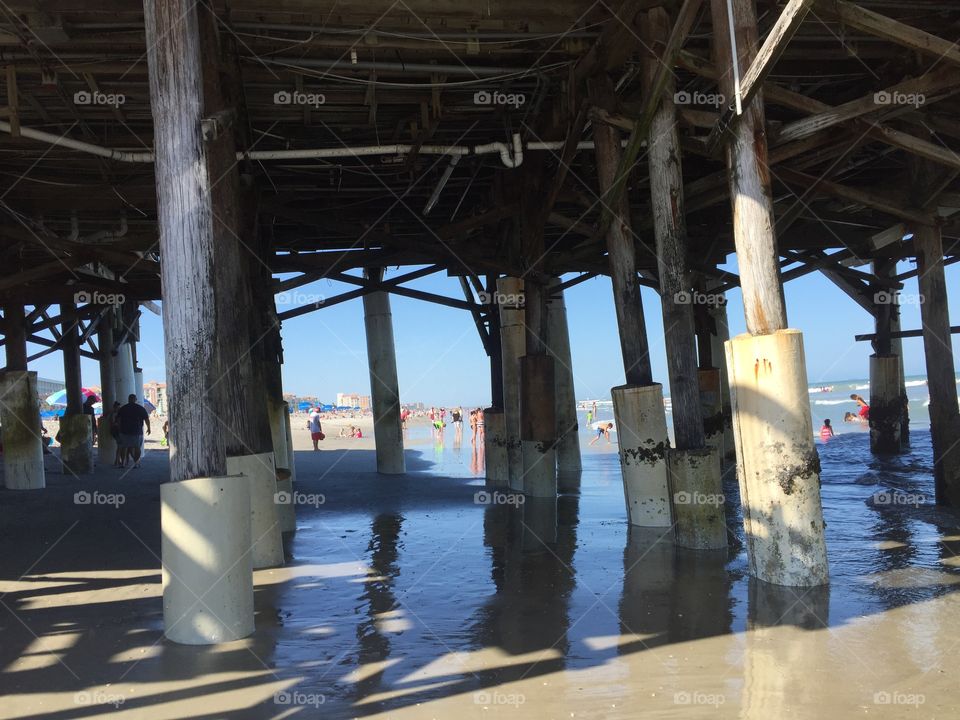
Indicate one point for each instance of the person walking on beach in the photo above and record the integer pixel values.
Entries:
(473, 427)
(316, 431)
(589, 417)
(481, 432)
(88, 410)
(457, 416)
(131, 418)
(826, 432)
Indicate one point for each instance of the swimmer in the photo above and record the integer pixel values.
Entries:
(826, 432)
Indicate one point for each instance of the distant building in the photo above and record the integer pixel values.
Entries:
(156, 393)
(47, 387)
(353, 400)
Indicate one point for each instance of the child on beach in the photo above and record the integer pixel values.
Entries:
(603, 431)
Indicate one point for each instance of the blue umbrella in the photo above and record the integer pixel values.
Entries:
(60, 396)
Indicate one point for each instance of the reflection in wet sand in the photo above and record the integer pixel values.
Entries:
(410, 598)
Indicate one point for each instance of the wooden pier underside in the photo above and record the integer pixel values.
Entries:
(856, 95)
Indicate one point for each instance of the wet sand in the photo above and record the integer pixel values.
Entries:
(405, 597)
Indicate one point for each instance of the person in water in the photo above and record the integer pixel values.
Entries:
(603, 431)
(826, 432)
(852, 418)
(864, 407)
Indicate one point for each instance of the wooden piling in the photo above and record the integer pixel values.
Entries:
(778, 466)
(204, 329)
(14, 331)
(941, 370)
(670, 229)
(623, 264)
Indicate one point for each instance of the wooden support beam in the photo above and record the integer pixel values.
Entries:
(869, 199)
(641, 130)
(939, 80)
(15, 336)
(623, 263)
(941, 368)
(396, 289)
(13, 104)
(70, 343)
(574, 281)
(884, 27)
(670, 230)
(477, 315)
(899, 334)
(749, 177)
(773, 46)
(387, 285)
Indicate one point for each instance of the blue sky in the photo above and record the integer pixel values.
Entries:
(441, 361)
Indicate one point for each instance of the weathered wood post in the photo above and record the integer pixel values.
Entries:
(106, 444)
(693, 468)
(778, 465)
(205, 514)
(19, 410)
(569, 463)
(384, 387)
(637, 405)
(76, 429)
(496, 466)
(719, 334)
(510, 299)
(941, 370)
(887, 392)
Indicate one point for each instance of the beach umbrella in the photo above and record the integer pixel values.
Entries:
(60, 396)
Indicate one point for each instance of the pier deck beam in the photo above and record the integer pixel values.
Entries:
(638, 405)
(941, 370)
(778, 465)
(384, 386)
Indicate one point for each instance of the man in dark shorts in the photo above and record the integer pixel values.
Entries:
(131, 418)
